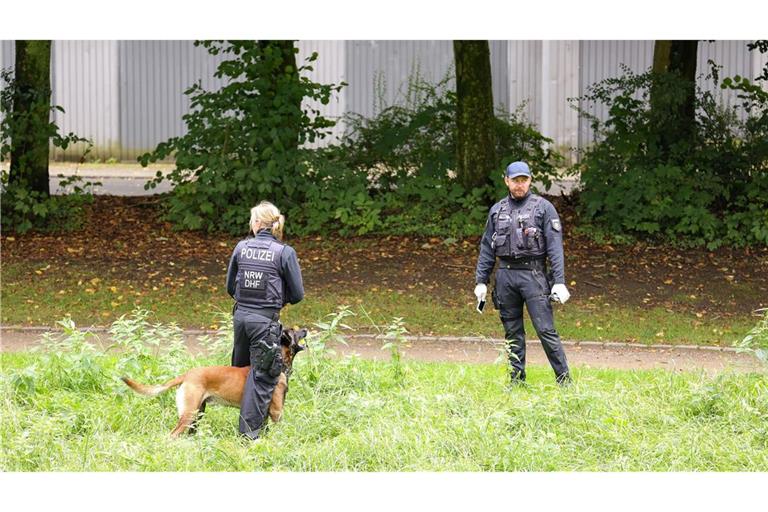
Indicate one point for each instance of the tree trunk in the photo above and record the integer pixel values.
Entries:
(32, 104)
(678, 58)
(475, 151)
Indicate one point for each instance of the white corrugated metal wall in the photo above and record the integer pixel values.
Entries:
(559, 81)
(380, 72)
(7, 53)
(329, 68)
(153, 78)
(89, 96)
(128, 95)
(7, 49)
(602, 59)
(524, 70)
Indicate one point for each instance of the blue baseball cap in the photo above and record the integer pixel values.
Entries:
(518, 169)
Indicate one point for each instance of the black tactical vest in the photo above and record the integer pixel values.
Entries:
(258, 282)
(517, 234)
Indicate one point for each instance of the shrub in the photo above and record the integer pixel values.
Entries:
(389, 174)
(418, 139)
(148, 351)
(394, 173)
(68, 361)
(24, 209)
(242, 141)
(708, 189)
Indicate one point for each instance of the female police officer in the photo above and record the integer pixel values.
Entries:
(522, 231)
(262, 277)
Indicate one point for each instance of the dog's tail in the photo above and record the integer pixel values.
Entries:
(152, 390)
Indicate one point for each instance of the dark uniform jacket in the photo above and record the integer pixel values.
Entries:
(282, 283)
(545, 221)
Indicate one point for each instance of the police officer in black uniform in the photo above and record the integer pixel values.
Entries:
(522, 231)
(263, 275)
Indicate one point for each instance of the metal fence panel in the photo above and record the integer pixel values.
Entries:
(153, 78)
(524, 78)
(7, 56)
(128, 95)
(329, 68)
(7, 53)
(602, 59)
(85, 85)
(382, 73)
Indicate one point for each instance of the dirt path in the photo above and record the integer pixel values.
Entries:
(580, 354)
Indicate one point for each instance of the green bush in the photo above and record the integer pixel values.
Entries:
(242, 142)
(24, 209)
(418, 139)
(148, 351)
(389, 174)
(332, 198)
(394, 173)
(69, 361)
(707, 189)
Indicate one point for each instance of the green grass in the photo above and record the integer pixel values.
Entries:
(355, 415)
(48, 296)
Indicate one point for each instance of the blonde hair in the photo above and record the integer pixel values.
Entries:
(269, 217)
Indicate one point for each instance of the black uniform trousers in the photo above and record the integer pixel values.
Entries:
(259, 386)
(515, 287)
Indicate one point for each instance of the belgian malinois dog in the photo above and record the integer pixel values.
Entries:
(222, 385)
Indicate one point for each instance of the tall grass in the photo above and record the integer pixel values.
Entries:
(348, 414)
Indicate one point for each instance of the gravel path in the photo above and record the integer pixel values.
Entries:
(477, 350)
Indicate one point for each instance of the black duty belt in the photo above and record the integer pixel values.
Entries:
(269, 314)
(522, 264)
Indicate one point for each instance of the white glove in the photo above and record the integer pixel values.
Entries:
(480, 292)
(560, 293)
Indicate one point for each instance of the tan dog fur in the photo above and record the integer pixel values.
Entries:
(222, 385)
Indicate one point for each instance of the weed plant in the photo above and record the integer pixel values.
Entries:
(348, 414)
(756, 341)
(708, 189)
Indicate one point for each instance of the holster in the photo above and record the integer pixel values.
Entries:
(266, 355)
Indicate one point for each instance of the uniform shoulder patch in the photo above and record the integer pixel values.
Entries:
(556, 225)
